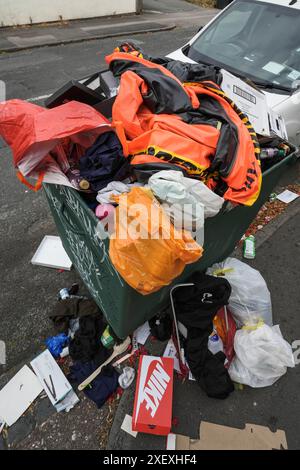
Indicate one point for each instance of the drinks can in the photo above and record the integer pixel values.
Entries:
(64, 293)
(249, 247)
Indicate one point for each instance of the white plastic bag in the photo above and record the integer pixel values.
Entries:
(262, 356)
(250, 299)
(172, 187)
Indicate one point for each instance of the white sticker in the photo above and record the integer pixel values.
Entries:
(274, 67)
(294, 75)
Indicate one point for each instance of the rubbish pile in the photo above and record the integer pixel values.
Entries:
(174, 143)
(84, 338)
(168, 154)
(222, 334)
(216, 329)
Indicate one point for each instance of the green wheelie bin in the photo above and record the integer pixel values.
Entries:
(87, 246)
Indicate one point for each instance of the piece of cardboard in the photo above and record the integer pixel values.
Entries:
(51, 377)
(18, 394)
(217, 437)
(127, 426)
(152, 411)
(287, 196)
(250, 100)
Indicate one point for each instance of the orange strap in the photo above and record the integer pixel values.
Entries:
(37, 185)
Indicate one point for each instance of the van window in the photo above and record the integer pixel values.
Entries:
(259, 40)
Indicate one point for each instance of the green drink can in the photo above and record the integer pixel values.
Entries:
(249, 247)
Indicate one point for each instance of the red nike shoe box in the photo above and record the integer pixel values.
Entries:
(152, 412)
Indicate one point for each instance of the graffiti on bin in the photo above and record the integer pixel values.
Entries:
(92, 230)
(83, 257)
(84, 262)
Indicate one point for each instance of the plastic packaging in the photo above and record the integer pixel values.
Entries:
(36, 134)
(250, 299)
(146, 249)
(127, 377)
(215, 344)
(172, 187)
(106, 339)
(56, 344)
(262, 356)
(225, 327)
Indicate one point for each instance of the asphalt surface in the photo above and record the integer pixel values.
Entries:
(29, 292)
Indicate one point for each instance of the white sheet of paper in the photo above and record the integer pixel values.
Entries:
(251, 101)
(287, 196)
(127, 426)
(52, 254)
(142, 332)
(170, 351)
(274, 67)
(46, 369)
(18, 394)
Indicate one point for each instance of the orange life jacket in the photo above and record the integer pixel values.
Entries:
(191, 125)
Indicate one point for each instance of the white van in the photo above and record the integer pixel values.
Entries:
(259, 40)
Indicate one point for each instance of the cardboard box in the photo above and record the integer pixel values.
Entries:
(217, 437)
(152, 411)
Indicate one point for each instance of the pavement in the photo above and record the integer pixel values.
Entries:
(29, 292)
(156, 16)
(276, 407)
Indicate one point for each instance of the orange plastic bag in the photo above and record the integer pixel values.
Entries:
(146, 249)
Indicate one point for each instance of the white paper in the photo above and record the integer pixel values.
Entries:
(170, 351)
(142, 332)
(171, 442)
(51, 377)
(274, 67)
(18, 395)
(52, 254)
(287, 196)
(277, 124)
(127, 426)
(251, 101)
